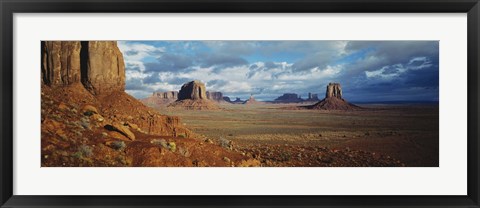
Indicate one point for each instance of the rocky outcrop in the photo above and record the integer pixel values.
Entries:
(171, 95)
(98, 65)
(334, 90)
(238, 101)
(93, 73)
(251, 101)
(333, 100)
(194, 90)
(227, 99)
(60, 62)
(312, 97)
(105, 69)
(193, 96)
(288, 98)
(215, 96)
(160, 99)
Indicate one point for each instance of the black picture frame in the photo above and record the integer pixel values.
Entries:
(9, 7)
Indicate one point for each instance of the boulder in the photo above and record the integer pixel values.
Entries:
(89, 110)
(121, 129)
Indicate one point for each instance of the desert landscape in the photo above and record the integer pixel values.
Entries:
(89, 120)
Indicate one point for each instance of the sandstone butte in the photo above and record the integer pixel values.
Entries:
(89, 120)
(334, 100)
(95, 70)
(193, 96)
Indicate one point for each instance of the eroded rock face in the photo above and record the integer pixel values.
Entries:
(288, 98)
(98, 65)
(334, 90)
(226, 98)
(93, 73)
(166, 95)
(333, 100)
(194, 90)
(105, 70)
(215, 96)
(60, 62)
(312, 97)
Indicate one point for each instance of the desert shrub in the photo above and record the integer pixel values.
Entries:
(182, 136)
(85, 150)
(85, 123)
(172, 146)
(119, 145)
(160, 142)
(225, 143)
(77, 155)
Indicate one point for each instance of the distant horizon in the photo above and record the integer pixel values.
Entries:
(369, 71)
(320, 97)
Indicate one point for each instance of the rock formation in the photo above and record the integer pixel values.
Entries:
(312, 97)
(93, 72)
(171, 95)
(194, 90)
(288, 98)
(334, 100)
(252, 101)
(334, 90)
(87, 119)
(227, 99)
(215, 96)
(193, 96)
(160, 99)
(238, 101)
(98, 65)
(60, 62)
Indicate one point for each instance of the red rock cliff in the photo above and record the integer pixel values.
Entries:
(98, 65)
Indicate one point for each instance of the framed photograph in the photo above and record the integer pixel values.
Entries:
(268, 103)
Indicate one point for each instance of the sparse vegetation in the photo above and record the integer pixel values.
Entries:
(160, 142)
(85, 150)
(172, 146)
(119, 145)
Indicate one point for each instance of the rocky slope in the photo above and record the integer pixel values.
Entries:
(88, 120)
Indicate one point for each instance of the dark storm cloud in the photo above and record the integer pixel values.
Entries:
(395, 51)
(367, 70)
(220, 60)
(170, 62)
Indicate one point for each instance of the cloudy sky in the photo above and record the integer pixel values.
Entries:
(367, 70)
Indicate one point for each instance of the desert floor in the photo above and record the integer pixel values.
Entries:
(408, 134)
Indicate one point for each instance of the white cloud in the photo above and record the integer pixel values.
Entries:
(139, 51)
(396, 70)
